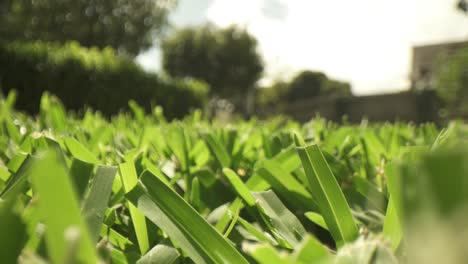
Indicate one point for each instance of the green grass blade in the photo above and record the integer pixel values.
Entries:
(82, 164)
(96, 202)
(80, 172)
(15, 163)
(181, 222)
(310, 251)
(287, 159)
(4, 174)
(12, 232)
(281, 219)
(17, 181)
(160, 254)
(129, 180)
(286, 185)
(240, 188)
(265, 254)
(317, 219)
(255, 184)
(255, 232)
(218, 150)
(195, 194)
(115, 238)
(373, 195)
(392, 228)
(79, 151)
(66, 235)
(178, 144)
(331, 201)
(394, 186)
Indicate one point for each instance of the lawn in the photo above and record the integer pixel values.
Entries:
(82, 188)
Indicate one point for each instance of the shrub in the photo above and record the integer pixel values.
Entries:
(90, 77)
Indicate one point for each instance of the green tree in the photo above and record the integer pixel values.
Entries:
(128, 26)
(338, 88)
(272, 94)
(452, 82)
(227, 59)
(307, 84)
(463, 5)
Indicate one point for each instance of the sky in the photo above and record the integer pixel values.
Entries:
(365, 42)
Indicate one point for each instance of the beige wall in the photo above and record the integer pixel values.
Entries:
(405, 106)
(424, 65)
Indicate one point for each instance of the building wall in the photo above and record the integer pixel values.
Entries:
(425, 58)
(404, 106)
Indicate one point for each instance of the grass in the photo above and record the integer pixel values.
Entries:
(139, 189)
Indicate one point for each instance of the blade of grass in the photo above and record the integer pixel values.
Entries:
(79, 151)
(160, 254)
(255, 232)
(287, 159)
(82, 164)
(218, 150)
(240, 188)
(254, 183)
(12, 232)
(18, 180)
(195, 194)
(129, 180)
(115, 238)
(310, 251)
(392, 228)
(264, 254)
(371, 192)
(181, 222)
(281, 219)
(286, 185)
(80, 172)
(317, 219)
(330, 199)
(95, 204)
(67, 236)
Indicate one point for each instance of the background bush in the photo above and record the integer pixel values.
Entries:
(92, 77)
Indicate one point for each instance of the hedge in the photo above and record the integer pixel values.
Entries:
(90, 77)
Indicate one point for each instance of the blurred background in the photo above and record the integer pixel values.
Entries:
(342, 60)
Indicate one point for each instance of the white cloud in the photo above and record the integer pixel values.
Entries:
(367, 42)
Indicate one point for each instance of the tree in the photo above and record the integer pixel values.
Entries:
(338, 88)
(452, 82)
(273, 94)
(309, 84)
(129, 26)
(226, 59)
(463, 6)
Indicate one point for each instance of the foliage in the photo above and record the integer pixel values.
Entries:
(251, 192)
(92, 77)
(226, 59)
(272, 94)
(307, 84)
(462, 5)
(128, 26)
(452, 82)
(339, 88)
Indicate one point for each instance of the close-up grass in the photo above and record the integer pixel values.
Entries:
(82, 188)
